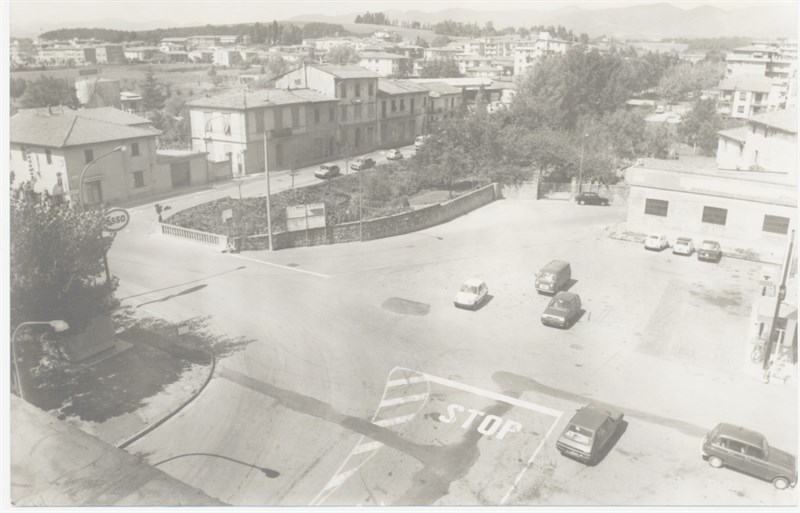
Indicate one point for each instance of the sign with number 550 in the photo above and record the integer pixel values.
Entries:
(116, 219)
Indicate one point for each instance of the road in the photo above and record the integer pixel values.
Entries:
(316, 391)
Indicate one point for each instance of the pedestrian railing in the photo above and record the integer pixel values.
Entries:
(195, 235)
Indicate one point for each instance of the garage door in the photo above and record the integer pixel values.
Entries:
(180, 174)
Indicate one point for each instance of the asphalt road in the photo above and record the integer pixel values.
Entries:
(319, 398)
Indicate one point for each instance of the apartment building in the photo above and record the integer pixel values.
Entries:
(444, 101)
(109, 54)
(66, 55)
(386, 64)
(527, 53)
(744, 96)
(401, 113)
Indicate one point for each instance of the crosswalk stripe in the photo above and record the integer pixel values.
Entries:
(371, 446)
(394, 421)
(403, 400)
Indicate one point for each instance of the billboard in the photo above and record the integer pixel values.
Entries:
(303, 217)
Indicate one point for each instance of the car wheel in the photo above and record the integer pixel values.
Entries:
(581, 202)
(715, 462)
(781, 483)
(605, 203)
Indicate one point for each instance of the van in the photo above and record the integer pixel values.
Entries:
(553, 277)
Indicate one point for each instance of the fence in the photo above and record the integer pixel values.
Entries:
(211, 239)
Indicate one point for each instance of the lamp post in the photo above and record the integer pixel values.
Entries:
(360, 208)
(266, 174)
(580, 166)
(83, 173)
(58, 325)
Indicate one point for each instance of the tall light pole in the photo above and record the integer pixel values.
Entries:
(57, 325)
(580, 166)
(266, 174)
(360, 208)
(80, 181)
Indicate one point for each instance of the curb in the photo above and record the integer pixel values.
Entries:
(147, 429)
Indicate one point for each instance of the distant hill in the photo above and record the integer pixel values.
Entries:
(647, 21)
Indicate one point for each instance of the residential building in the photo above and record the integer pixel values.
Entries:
(474, 46)
(109, 54)
(401, 112)
(500, 46)
(230, 40)
(751, 60)
(410, 51)
(441, 53)
(743, 96)
(504, 64)
(485, 71)
(58, 55)
(528, 53)
(386, 64)
(746, 198)
(325, 44)
(470, 60)
(301, 127)
(53, 148)
(201, 55)
(354, 87)
(497, 94)
(203, 41)
(141, 53)
(180, 43)
(444, 101)
(131, 102)
(175, 56)
(226, 57)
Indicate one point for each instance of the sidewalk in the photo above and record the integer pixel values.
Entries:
(54, 464)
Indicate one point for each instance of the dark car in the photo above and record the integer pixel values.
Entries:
(562, 310)
(589, 432)
(709, 250)
(590, 198)
(360, 164)
(744, 450)
(327, 171)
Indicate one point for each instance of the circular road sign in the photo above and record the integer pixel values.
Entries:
(116, 219)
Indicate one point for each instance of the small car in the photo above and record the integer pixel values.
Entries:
(683, 246)
(327, 171)
(419, 142)
(589, 432)
(747, 451)
(660, 109)
(472, 293)
(563, 310)
(656, 241)
(360, 164)
(394, 154)
(709, 250)
(590, 198)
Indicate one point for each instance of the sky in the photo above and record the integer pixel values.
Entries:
(26, 16)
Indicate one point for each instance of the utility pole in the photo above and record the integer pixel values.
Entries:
(360, 209)
(781, 294)
(580, 166)
(266, 174)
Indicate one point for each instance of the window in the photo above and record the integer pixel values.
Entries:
(758, 97)
(88, 156)
(316, 116)
(331, 114)
(776, 224)
(371, 89)
(48, 156)
(714, 215)
(742, 95)
(412, 105)
(358, 90)
(226, 123)
(383, 108)
(357, 110)
(343, 116)
(394, 105)
(740, 109)
(344, 91)
(278, 115)
(402, 104)
(134, 149)
(656, 207)
(295, 117)
(138, 179)
(259, 122)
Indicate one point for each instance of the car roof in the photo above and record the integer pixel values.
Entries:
(473, 282)
(741, 434)
(555, 266)
(711, 242)
(684, 239)
(567, 296)
(593, 415)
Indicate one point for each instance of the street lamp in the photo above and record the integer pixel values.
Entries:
(57, 325)
(80, 181)
(580, 166)
(266, 174)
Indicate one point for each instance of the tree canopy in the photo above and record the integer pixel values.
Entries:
(342, 54)
(49, 91)
(440, 68)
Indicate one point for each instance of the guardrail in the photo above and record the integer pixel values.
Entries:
(195, 235)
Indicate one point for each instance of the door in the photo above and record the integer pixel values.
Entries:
(94, 192)
(181, 176)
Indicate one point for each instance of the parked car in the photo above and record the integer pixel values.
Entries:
(419, 142)
(656, 241)
(589, 432)
(327, 171)
(709, 250)
(744, 450)
(563, 310)
(472, 293)
(590, 198)
(394, 154)
(660, 109)
(360, 164)
(553, 277)
(683, 246)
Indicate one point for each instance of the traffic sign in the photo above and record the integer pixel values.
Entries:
(115, 219)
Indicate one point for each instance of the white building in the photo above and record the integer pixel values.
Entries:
(527, 54)
(743, 96)
(386, 64)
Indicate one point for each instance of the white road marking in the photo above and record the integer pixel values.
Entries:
(530, 462)
(403, 400)
(407, 381)
(287, 268)
(341, 478)
(394, 421)
(371, 446)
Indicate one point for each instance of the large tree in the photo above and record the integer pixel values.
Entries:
(152, 92)
(56, 261)
(700, 126)
(341, 54)
(48, 92)
(440, 68)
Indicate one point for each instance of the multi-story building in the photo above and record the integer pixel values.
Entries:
(444, 101)
(325, 44)
(410, 51)
(743, 96)
(768, 143)
(441, 53)
(226, 57)
(526, 54)
(470, 60)
(116, 150)
(301, 127)
(500, 46)
(751, 60)
(181, 43)
(109, 54)
(356, 90)
(66, 55)
(474, 46)
(141, 53)
(386, 64)
(401, 112)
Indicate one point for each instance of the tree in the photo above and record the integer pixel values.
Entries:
(152, 92)
(173, 121)
(684, 78)
(17, 87)
(56, 261)
(421, 42)
(48, 91)
(700, 126)
(341, 54)
(213, 76)
(440, 68)
(440, 41)
(660, 141)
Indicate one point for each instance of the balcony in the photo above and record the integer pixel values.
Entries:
(279, 133)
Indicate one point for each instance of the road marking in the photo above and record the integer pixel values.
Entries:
(280, 266)
(403, 400)
(371, 446)
(406, 381)
(341, 478)
(394, 421)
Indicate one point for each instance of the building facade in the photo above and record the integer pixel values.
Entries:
(744, 96)
(401, 112)
(527, 53)
(386, 64)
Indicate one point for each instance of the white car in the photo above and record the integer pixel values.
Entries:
(473, 292)
(394, 154)
(683, 246)
(656, 241)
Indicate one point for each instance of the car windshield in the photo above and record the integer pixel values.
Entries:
(579, 434)
(654, 237)
(546, 277)
(471, 289)
(559, 304)
(709, 245)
